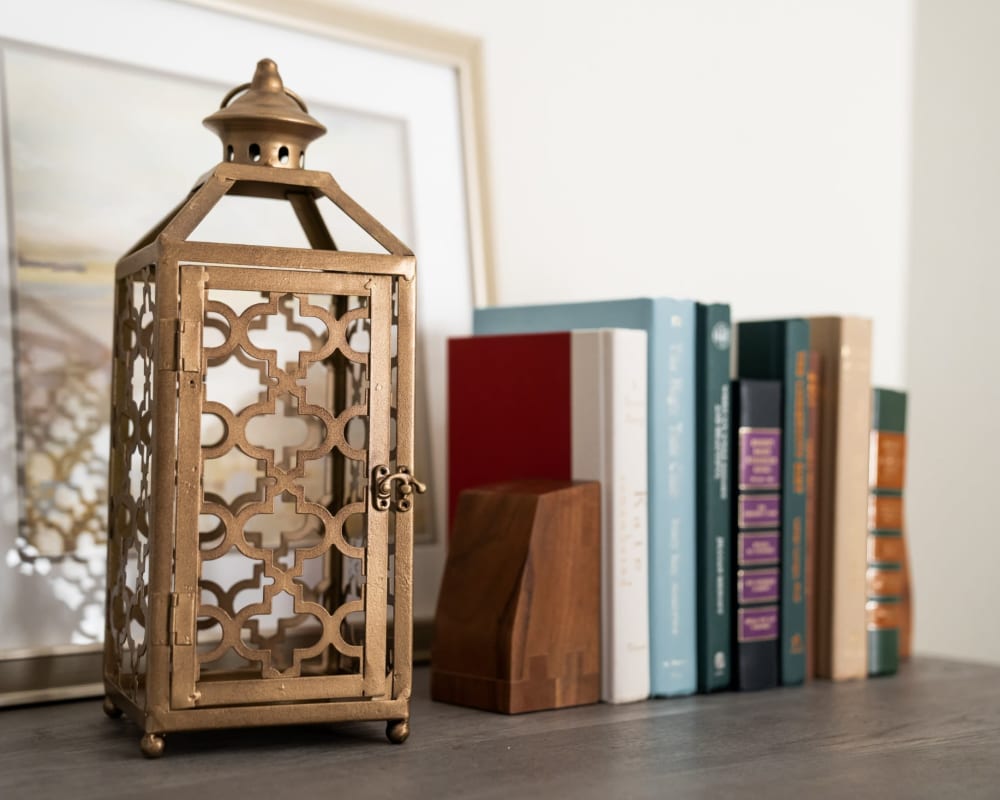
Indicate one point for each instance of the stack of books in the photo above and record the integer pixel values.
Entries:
(751, 522)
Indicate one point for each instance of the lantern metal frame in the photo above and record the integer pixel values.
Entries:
(156, 682)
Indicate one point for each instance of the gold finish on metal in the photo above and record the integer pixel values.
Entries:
(269, 124)
(152, 745)
(111, 709)
(397, 730)
(384, 478)
(253, 388)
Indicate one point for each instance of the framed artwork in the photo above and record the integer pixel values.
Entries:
(100, 136)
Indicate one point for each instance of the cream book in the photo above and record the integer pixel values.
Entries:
(844, 345)
(609, 445)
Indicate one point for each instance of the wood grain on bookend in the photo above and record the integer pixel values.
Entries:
(813, 381)
(517, 626)
(844, 344)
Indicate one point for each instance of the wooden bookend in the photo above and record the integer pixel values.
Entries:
(518, 617)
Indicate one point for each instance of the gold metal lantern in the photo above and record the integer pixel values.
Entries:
(260, 542)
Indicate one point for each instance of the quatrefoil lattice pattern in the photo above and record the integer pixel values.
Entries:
(284, 463)
(131, 509)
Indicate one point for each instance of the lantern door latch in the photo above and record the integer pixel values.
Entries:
(383, 479)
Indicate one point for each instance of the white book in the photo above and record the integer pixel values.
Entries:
(609, 444)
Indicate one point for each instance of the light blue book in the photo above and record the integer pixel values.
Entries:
(670, 326)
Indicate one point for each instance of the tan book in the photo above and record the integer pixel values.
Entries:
(844, 345)
(814, 380)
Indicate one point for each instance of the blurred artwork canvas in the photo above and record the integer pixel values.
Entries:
(95, 153)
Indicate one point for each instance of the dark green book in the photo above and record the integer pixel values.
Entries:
(886, 581)
(779, 350)
(712, 518)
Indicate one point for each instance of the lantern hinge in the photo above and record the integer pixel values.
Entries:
(382, 481)
(168, 346)
(180, 346)
(182, 618)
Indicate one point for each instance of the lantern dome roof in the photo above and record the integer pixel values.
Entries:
(266, 123)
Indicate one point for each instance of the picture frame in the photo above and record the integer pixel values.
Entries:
(424, 81)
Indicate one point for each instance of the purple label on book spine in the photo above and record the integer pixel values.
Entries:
(760, 458)
(758, 510)
(758, 549)
(757, 586)
(757, 624)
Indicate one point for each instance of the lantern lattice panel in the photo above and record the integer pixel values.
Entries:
(278, 547)
(131, 491)
(284, 404)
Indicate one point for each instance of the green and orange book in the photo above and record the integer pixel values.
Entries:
(885, 578)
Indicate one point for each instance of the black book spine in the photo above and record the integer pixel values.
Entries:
(757, 525)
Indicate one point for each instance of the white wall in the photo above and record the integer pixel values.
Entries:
(953, 337)
(755, 152)
(760, 152)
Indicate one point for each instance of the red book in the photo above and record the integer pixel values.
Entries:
(509, 411)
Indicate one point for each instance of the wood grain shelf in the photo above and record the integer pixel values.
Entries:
(931, 731)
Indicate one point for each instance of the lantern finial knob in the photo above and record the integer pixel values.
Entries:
(264, 123)
(266, 77)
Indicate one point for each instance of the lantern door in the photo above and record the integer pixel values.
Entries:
(281, 558)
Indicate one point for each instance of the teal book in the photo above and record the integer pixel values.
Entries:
(779, 350)
(670, 327)
(712, 518)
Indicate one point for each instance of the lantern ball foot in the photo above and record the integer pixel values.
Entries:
(397, 730)
(152, 745)
(110, 708)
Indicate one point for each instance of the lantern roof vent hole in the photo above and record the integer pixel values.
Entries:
(263, 123)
